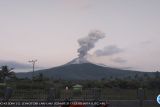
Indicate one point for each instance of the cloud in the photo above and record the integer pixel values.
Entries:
(14, 64)
(108, 51)
(146, 42)
(119, 60)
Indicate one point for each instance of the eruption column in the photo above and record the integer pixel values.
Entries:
(87, 43)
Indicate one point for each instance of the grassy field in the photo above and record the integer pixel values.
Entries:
(108, 93)
(116, 97)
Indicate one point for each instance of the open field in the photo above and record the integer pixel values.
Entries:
(115, 97)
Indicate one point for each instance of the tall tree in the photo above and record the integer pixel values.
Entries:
(157, 75)
(6, 72)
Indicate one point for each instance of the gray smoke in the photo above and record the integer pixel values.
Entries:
(108, 50)
(87, 43)
(119, 60)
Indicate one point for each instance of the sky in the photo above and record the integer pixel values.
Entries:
(48, 30)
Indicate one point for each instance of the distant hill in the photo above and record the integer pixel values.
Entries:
(83, 71)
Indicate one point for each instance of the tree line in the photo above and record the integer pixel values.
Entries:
(40, 81)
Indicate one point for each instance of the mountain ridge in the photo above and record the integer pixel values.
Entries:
(83, 71)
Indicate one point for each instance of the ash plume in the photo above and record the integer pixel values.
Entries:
(88, 42)
(108, 51)
(119, 60)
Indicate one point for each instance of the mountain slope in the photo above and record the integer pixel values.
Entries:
(84, 71)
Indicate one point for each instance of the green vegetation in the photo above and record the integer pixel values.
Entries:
(111, 88)
(6, 72)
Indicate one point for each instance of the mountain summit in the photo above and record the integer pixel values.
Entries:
(78, 61)
(76, 70)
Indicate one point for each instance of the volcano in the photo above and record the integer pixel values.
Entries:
(78, 61)
(81, 70)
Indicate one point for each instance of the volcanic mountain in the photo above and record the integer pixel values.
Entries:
(81, 70)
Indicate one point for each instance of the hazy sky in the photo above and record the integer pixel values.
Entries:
(48, 30)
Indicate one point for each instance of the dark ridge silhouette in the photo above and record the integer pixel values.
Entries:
(84, 71)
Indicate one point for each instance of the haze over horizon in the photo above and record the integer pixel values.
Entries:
(48, 30)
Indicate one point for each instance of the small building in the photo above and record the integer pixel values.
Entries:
(77, 87)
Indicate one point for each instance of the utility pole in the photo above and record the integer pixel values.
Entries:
(33, 66)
